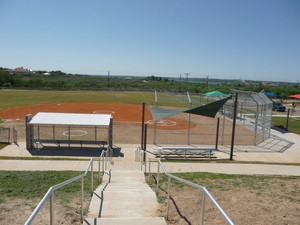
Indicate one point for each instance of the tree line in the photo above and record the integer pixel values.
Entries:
(58, 80)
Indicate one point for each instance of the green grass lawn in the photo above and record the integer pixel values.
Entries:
(33, 185)
(293, 123)
(224, 181)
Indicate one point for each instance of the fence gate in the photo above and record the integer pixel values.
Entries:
(15, 136)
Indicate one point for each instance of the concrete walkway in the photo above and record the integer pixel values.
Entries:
(226, 168)
(281, 148)
(268, 152)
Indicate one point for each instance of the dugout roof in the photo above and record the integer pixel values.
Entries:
(73, 119)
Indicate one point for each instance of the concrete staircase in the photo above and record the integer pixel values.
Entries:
(126, 199)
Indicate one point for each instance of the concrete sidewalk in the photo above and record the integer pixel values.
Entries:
(226, 168)
(284, 148)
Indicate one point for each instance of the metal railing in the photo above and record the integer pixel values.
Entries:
(105, 157)
(205, 192)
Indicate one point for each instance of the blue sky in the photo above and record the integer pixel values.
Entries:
(230, 39)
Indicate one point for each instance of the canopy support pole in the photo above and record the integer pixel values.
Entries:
(233, 125)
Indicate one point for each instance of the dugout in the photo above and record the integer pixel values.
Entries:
(68, 129)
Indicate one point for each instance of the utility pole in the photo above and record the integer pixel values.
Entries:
(179, 83)
(108, 79)
(187, 80)
(187, 77)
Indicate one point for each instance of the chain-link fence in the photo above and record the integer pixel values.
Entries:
(60, 132)
(5, 134)
(253, 122)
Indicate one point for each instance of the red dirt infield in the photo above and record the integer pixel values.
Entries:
(120, 112)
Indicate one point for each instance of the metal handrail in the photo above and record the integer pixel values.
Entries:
(104, 157)
(170, 176)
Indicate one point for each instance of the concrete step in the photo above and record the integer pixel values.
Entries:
(125, 221)
(123, 186)
(121, 165)
(123, 203)
(124, 176)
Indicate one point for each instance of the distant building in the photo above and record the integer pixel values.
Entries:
(128, 78)
(20, 70)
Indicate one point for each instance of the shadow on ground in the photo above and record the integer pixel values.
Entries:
(73, 151)
(280, 129)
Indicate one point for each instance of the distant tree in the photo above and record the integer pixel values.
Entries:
(40, 72)
(7, 85)
(57, 73)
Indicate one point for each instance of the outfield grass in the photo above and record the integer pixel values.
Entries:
(15, 98)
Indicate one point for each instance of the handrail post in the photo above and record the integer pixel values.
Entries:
(138, 154)
(92, 177)
(202, 208)
(102, 164)
(106, 161)
(168, 198)
(157, 177)
(141, 152)
(145, 161)
(149, 170)
(99, 171)
(52, 218)
(82, 187)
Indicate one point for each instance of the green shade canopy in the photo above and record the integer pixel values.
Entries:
(216, 94)
(209, 110)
